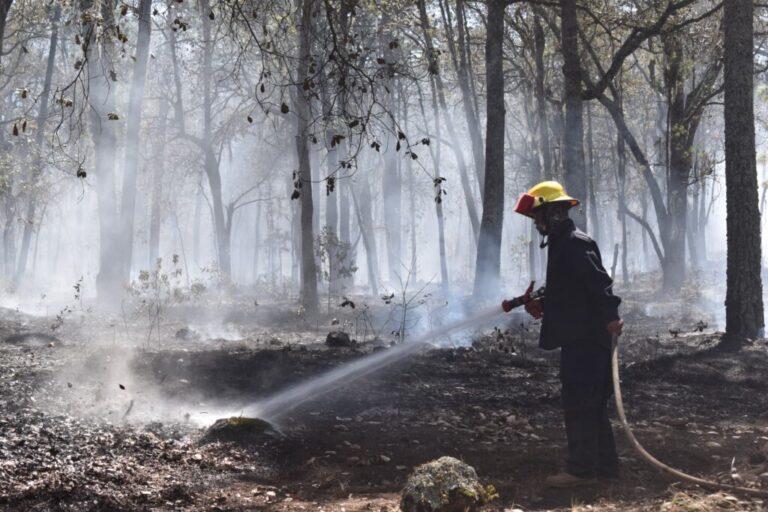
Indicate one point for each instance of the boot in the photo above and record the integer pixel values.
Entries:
(566, 481)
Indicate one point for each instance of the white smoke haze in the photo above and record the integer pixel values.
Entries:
(245, 137)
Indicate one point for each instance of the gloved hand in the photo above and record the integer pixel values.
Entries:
(535, 308)
(615, 327)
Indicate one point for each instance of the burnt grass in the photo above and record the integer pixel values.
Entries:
(698, 409)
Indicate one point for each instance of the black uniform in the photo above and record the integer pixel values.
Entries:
(578, 305)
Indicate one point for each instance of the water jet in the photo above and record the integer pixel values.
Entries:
(272, 408)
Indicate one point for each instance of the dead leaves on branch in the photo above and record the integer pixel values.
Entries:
(439, 192)
(296, 186)
(16, 131)
(336, 140)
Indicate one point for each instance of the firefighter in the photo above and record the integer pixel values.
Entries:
(579, 314)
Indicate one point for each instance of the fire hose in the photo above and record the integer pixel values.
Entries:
(539, 294)
(643, 453)
(293, 396)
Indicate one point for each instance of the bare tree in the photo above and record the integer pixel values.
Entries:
(309, 297)
(132, 143)
(42, 117)
(744, 289)
(488, 263)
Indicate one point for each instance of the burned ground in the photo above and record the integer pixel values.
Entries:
(494, 406)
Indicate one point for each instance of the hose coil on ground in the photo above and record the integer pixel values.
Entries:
(707, 484)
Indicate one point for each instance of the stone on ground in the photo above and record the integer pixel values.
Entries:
(444, 485)
(338, 339)
(242, 431)
(186, 334)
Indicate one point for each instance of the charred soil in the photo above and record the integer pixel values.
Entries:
(699, 410)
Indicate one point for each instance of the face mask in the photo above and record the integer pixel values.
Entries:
(545, 219)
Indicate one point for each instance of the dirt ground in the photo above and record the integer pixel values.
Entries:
(89, 424)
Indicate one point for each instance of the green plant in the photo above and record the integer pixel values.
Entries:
(159, 288)
(336, 265)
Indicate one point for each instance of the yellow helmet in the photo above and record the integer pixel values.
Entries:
(546, 192)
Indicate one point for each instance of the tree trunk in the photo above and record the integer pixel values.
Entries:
(701, 239)
(744, 292)
(101, 99)
(545, 150)
(365, 221)
(693, 226)
(644, 217)
(196, 221)
(345, 191)
(678, 174)
(343, 187)
(436, 155)
(132, 138)
(413, 265)
(488, 263)
(211, 161)
(37, 166)
(331, 224)
(461, 67)
(573, 156)
(621, 155)
(309, 298)
(256, 243)
(5, 7)
(434, 68)
(295, 243)
(594, 224)
(158, 169)
(412, 269)
(390, 178)
(33, 274)
(332, 214)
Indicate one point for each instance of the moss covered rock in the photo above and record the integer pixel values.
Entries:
(444, 485)
(242, 431)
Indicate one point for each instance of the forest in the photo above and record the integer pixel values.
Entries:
(254, 254)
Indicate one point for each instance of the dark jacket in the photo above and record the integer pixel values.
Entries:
(579, 301)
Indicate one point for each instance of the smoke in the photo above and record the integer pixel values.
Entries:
(256, 160)
(109, 384)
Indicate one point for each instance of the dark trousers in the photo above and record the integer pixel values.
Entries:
(586, 378)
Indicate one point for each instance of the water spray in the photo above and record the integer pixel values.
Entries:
(284, 401)
(272, 408)
(277, 405)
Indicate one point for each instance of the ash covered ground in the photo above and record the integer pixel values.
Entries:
(100, 412)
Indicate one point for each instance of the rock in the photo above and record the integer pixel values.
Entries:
(338, 339)
(242, 431)
(186, 334)
(444, 485)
